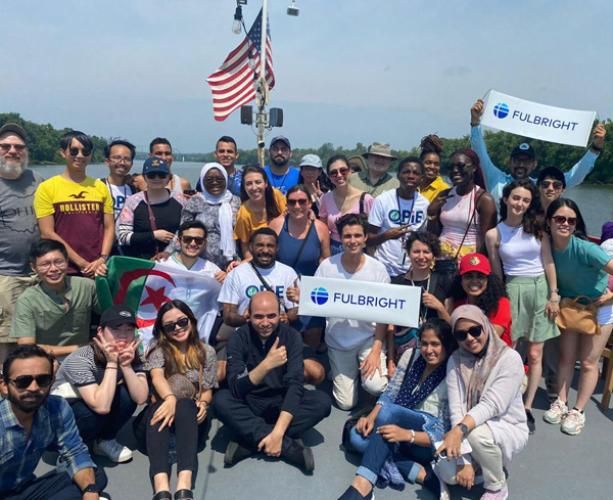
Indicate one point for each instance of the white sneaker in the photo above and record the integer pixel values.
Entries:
(573, 423)
(112, 450)
(556, 413)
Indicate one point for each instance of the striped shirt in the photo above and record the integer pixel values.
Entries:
(53, 428)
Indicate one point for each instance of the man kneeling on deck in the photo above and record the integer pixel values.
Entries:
(266, 404)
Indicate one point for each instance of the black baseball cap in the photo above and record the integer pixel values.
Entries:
(523, 149)
(281, 138)
(117, 315)
(13, 128)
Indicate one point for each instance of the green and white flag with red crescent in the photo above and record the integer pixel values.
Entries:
(144, 286)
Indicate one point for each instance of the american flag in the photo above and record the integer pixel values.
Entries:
(232, 84)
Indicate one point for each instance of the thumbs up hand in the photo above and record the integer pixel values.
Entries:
(277, 356)
(293, 292)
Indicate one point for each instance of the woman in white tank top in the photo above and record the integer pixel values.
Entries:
(518, 249)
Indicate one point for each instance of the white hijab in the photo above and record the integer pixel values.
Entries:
(226, 243)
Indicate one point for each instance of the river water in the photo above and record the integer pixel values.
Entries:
(595, 202)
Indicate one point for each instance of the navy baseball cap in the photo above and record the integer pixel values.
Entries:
(154, 164)
(281, 138)
(523, 149)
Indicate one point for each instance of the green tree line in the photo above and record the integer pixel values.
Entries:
(44, 148)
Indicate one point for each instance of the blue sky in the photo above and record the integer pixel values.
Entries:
(347, 71)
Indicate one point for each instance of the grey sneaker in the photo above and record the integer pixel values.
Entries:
(556, 413)
(573, 423)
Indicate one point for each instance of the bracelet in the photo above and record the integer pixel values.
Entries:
(111, 367)
(168, 396)
(412, 437)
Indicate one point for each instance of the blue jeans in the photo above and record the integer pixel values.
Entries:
(93, 425)
(376, 450)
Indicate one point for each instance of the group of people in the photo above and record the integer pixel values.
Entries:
(499, 258)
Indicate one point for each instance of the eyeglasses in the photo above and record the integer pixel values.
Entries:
(473, 331)
(557, 185)
(117, 159)
(74, 152)
(561, 219)
(300, 201)
(171, 327)
(59, 263)
(156, 175)
(5, 146)
(198, 240)
(340, 171)
(23, 382)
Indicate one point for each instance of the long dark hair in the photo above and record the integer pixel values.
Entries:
(530, 221)
(331, 160)
(580, 229)
(488, 300)
(442, 329)
(272, 210)
(195, 356)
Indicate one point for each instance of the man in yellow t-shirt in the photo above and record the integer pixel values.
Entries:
(77, 210)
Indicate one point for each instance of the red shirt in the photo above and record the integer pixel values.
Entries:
(501, 317)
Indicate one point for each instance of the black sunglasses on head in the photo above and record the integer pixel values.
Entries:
(473, 331)
(43, 381)
(171, 327)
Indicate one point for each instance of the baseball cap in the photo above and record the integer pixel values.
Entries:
(475, 262)
(311, 160)
(116, 315)
(281, 138)
(523, 149)
(13, 128)
(155, 164)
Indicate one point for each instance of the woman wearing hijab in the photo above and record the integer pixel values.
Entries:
(216, 207)
(484, 378)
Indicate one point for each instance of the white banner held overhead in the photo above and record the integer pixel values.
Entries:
(539, 121)
(361, 300)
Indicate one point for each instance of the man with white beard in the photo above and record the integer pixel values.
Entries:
(18, 227)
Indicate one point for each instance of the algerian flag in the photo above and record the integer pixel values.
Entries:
(144, 286)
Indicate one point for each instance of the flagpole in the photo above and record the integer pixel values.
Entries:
(262, 89)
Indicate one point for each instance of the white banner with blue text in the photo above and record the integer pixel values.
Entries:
(361, 300)
(539, 121)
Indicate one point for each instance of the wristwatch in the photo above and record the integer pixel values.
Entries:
(464, 428)
(91, 488)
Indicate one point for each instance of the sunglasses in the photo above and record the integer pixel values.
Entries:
(156, 175)
(340, 171)
(473, 331)
(301, 201)
(561, 219)
(74, 152)
(23, 382)
(459, 166)
(171, 327)
(557, 185)
(18, 147)
(198, 240)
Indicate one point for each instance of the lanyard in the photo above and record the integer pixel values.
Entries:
(403, 239)
(422, 317)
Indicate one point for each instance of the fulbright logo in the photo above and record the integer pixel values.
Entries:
(501, 110)
(319, 296)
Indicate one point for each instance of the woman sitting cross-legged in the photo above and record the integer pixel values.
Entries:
(484, 378)
(183, 374)
(398, 435)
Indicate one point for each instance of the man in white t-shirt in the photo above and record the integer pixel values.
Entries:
(244, 281)
(355, 348)
(396, 213)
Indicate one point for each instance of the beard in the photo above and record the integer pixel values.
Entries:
(28, 402)
(14, 169)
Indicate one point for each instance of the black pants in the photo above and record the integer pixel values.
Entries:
(253, 418)
(185, 429)
(93, 425)
(55, 485)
